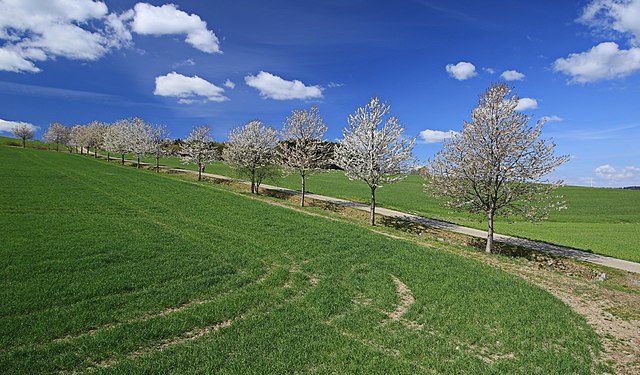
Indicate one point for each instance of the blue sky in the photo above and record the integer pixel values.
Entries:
(579, 62)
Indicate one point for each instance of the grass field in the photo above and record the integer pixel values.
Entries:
(119, 270)
(604, 221)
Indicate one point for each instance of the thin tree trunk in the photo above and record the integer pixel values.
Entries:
(122, 158)
(489, 248)
(138, 164)
(57, 147)
(157, 164)
(108, 156)
(302, 197)
(199, 171)
(24, 142)
(373, 206)
(95, 152)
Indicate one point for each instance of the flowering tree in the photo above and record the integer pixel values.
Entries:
(250, 151)
(24, 132)
(303, 150)
(115, 139)
(373, 148)
(94, 134)
(495, 166)
(79, 137)
(198, 148)
(138, 137)
(159, 146)
(58, 134)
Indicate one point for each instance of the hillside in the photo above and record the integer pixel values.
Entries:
(117, 269)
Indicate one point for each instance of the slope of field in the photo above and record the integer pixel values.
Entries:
(604, 221)
(119, 270)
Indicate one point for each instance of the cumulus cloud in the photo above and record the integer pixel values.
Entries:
(512, 75)
(462, 70)
(604, 61)
(36, 30)
(608, 172)
(525, 104)
(551, 119)
(169, 20)
(435, 136)
(188, 89)
(618, 16)
(229, 84)
(274, 87)
(7, 126)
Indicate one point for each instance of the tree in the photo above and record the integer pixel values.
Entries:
(198, 148)
(372, 153)
(250, 151)
(495, 166)
(138, 138)
(303, 150)
(159, 146)
(94, 133)
(115, 139)
(76, 137)
(57, 133)
(23, 131)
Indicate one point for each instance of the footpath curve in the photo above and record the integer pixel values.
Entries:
(584, 256)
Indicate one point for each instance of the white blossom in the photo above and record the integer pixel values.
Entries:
(373, 148)
(198, 148)
(58, 134)
(250, 150)
(495, 166)
(115, 139)
(303, 149)
(24, 132)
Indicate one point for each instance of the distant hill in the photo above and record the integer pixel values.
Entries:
(631, 188)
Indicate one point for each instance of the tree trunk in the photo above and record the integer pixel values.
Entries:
(157, 164)
(138, 163)
(108, 156)
(24, 142)
(122, 158)
(57, 147)
(489, 248)
(95, 152)
(302, 197)
(373, 206)
(199, 171)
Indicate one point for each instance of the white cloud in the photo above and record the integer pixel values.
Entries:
(604, 61)
(168, 19)
(512, 75)
(229, 84)
(274, 87)
(188, 89)
(489, 70)
(435, 136)
(7, 126)
(608, 172)
(622, 16)
(332, 85)
(551, 119)
(462, 70)
(38, 30)
(525, 104)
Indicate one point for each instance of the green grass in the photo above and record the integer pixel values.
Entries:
(603, 221)
(103, 265)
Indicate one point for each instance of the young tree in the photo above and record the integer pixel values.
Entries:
(58, 134)
(76, 137)
(495, 166)
(303, 149)
(94, 133)
(116, 139)
(139, 138)
(23, 131)
(372, 153)
(198, 148)
(250, 150)
(159, 146)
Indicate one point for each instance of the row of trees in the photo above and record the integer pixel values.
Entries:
(494, 166)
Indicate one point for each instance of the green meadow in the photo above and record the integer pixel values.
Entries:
(111, 269)
(603, 221)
